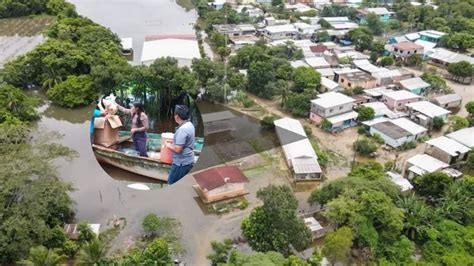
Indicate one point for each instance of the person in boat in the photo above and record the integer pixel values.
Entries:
(183, 145)
(98, 112)
(139, 126)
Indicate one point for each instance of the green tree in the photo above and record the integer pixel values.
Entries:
(364, 146)
(306, 78)
(414, 60)
(298, 104)
(365, 113)
(470, 108)
(457, 122)
(321, 36)
(259, 75)
(151, 224)
(221, 252)
(84, 233)
(432, 185)
(337, 245)
(361, 37)
(157, 253)
(460, 41)
(386, 61)
(374, 24)
(41, 256)
(417, 216)
(275, 225)
(438, 123)
(15, 105)
(91, 253)
(74, 91)
(461, 70)
(437, 82)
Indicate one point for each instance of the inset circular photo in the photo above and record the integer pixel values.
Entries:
(149, 143)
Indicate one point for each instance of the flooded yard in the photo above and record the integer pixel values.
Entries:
(20, 35)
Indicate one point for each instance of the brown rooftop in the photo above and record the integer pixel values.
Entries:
(320, 48)
(218, 176)
(407, 46)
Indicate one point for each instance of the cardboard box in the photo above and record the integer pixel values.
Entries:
(106, 130)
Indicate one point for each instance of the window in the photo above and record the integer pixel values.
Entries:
(408, 52)
(399, 104)
(349, 84)
(342, 80)
(340, 107)
(330, 110)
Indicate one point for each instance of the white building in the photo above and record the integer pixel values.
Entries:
(401, 182)
(445, 57)
(329, 85)
(421, 164)
(299, 153)
(317, 62)
(424, 112)
(464, 136)
(447, 150)
(392, 134)
(410, 126)
(182, 50)
(279, 32)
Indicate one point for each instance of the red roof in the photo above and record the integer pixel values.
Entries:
(218, 176)
(407, 46)
(320, 48)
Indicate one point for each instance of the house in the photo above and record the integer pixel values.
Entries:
(415, 85)
(305, 30)
(367, 67)
(380, 109)
(336, 108)
(406, 49)
(318, 49)
(298, 63)
(397, 39)
(250, 10)
(354, 55)
(392, 134)
(316, 228)
(329, 85)
(220, 183)
(183, 50)
(241, 41)
(443, 57)
(317, 62)
(357, 79)
(320, 4)
(449, 101)
(299, 153)
(71, 230)
(300, 6)
(279, 32)
(390, 76)
(382, 13)
(401, 182)
(326, 72)
(447, 150)
(410, 126)
(431, 35)
(340, 23)
(463, 136)
(310, 20)
(271, 21)
(397, 100)
(235, 30)
(423, 112)
(421, 164)
(428, 47)
(217, 4)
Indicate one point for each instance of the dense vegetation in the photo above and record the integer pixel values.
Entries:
(18, 8)
(387, 225)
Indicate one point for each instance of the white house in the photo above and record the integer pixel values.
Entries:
(448, 101)
(445, 57)
(392, 134)
(317, 62)
(424, 112)
(421, 164)
(447, 150)
(410, 126)
(279, 32)
(464, 136)
(299, 153)
(305, 30)
(334, 107)
(329, 85)
(415, 85)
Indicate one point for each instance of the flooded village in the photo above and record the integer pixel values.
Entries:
(326, 128)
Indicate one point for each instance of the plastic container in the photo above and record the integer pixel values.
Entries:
(166, 155)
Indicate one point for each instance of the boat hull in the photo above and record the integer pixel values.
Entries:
(139, 165)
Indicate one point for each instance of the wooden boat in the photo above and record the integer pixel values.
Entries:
(149, 167)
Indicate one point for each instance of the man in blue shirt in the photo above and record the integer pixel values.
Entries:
(183, 145)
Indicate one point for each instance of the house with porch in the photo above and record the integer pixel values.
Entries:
(415, 85)
(336, 108)
(447, 150)
(297, 149)
(220, 183)
(423, 113)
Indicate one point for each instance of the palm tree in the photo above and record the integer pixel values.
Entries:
(92, 253)
(51, 78)
(417, 216)
(41, 256)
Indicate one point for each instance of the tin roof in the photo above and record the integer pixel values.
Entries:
(219, 176)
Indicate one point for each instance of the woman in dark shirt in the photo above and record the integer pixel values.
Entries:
(139, 127)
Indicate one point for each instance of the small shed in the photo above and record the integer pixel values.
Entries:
(316, 228)
(449, 101)
(401, 182)
(219, 183)
(73, 234)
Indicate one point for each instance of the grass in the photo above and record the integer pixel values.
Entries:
(227, 206)
(25, 26)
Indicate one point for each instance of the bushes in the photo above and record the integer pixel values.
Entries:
(298, 104)
(365, 146)
(74, 91)
(438, 123)
(267, 122)
(407, 146)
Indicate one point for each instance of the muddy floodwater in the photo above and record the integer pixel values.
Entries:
(140, 19)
